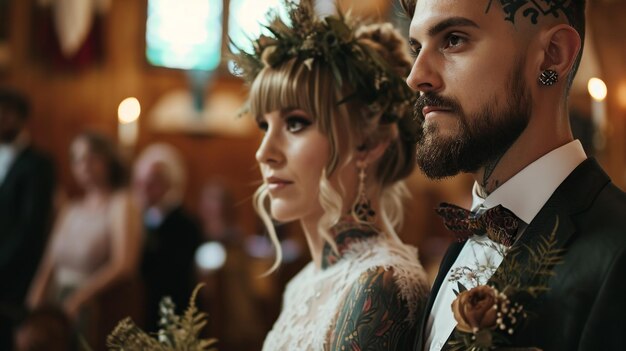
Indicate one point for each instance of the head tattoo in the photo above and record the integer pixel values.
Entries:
(536, 8)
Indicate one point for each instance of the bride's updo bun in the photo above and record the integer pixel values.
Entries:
(388, 43)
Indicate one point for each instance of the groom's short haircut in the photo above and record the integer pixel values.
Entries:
(574, 10)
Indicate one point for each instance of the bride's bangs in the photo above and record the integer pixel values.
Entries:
(288, 86)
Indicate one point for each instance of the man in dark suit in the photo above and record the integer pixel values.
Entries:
(172, 235)
(493, 79)
(26, 191)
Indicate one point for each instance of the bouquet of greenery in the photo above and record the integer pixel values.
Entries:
(177, 333)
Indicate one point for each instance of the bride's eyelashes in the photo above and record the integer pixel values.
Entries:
(297, 123)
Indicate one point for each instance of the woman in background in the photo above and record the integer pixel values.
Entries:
(334, 108)
(96, 239)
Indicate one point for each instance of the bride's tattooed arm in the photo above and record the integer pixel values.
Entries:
(373, 316)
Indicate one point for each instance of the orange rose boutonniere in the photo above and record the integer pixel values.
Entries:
(488, 316)
(476, 309)
(485, 317)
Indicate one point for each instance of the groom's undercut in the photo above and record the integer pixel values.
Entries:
(532, 10)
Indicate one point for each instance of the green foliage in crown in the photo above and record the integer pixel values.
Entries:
(333, 41)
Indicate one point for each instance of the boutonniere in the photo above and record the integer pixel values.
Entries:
(489, 316)
(177, 333)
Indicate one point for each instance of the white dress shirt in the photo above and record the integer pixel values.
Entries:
(524, 194)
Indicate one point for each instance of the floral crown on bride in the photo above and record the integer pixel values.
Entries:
(348, 49)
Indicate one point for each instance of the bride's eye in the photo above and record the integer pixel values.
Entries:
(296, 124)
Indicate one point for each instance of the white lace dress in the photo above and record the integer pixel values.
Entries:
(316, 299)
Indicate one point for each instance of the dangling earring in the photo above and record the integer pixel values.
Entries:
(362, 206)
(548, 77)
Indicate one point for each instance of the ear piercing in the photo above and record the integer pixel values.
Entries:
(548, 77)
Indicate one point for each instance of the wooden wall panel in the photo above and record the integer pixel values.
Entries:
(609, 24)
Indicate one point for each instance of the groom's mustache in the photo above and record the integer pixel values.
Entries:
(435, 100)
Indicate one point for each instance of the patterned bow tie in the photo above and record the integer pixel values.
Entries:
(499, 223)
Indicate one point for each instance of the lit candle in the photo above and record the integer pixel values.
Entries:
(128, 122)
(598, 91)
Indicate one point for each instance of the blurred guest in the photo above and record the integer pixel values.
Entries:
(218, 215)
(96, 240)
(26, 188)
(44, 329)
(222, 264)
(172, 235)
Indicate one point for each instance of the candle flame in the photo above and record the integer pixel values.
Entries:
(597, 89)
(128, 110)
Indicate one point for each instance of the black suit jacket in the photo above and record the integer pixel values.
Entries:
(585, 306)
(168, 262)
(25, 213)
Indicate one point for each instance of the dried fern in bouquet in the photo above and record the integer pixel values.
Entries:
(177, 333)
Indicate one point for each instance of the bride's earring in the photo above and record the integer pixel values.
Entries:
(362, 206)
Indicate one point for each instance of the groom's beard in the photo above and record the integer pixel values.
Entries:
(481, 137)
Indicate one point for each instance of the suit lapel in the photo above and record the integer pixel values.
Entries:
(572, 196)
(446, 263)
(552, 218)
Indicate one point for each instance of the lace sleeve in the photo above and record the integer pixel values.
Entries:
(373, 316)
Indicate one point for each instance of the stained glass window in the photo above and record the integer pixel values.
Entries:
(184, 34)
(247, 18)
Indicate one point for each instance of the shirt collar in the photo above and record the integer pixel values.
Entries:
(529, 190)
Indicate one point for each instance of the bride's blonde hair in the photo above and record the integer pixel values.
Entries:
(313, 88)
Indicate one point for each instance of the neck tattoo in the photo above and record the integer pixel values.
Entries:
(488, 184)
